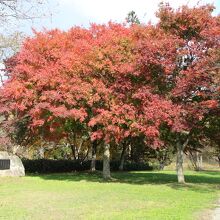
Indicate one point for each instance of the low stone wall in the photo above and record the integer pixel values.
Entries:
(16, 167)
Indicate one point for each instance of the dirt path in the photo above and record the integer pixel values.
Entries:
(216, 213)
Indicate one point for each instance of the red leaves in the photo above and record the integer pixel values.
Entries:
(186, 22)
(125, 81)
(212, 104)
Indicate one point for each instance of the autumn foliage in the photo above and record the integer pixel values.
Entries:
(124, 81)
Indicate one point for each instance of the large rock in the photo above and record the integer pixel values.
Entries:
(16, 166)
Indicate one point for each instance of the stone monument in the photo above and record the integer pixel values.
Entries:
(10, 165)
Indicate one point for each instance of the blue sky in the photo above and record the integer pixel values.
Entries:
(68, 13)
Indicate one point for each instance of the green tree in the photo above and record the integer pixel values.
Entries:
(132, 18)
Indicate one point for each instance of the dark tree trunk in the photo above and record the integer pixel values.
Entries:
(122, 158)
(106, 162)
(86, 156)
(93, 161)
(72, 146)
(179, 163)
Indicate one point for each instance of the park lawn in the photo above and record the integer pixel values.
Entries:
(131, 195)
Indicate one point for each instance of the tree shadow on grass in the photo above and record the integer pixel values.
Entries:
(194, 182)
(211, 172)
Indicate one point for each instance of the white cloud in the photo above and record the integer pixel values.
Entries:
(68, 13)
(102, 11)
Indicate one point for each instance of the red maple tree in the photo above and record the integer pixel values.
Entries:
(117, 81)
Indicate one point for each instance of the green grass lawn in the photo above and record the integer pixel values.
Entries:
(134, 195)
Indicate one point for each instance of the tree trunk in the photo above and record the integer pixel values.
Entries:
(122, 158)
(72, 146)
(161, 165)
(93, 161)
(41, 153)
(106, 162)
(79, 149)
(179, 163)
(199, 161)
(196, 160)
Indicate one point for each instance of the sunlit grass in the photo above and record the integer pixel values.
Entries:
(134, 195)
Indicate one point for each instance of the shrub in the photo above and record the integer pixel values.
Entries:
(61, 166)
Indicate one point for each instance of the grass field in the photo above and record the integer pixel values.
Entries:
(134, 195)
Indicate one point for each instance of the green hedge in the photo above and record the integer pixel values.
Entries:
(61, 166)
